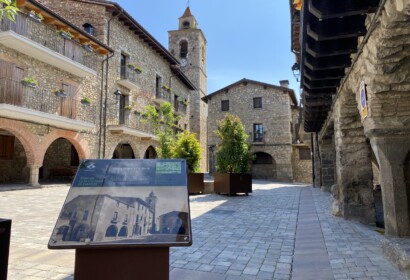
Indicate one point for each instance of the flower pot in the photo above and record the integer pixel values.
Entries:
(60, 93)
(28, 84)
(88, 48)
(35, 17)
(232, 183)
(65, 35)
(195, 183)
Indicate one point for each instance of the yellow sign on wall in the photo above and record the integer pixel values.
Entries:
(363, 100)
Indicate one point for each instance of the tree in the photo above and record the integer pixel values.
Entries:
(188, 148)
(163, 120)
(233, 153)
(8, 7)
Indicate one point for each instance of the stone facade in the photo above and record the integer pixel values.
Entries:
(63, 130)
(275, 111)
(384, 131)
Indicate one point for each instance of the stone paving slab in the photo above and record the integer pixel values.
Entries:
(238, 237)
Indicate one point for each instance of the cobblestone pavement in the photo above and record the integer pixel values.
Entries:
(238, 237)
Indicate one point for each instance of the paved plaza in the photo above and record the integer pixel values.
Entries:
(280, 231)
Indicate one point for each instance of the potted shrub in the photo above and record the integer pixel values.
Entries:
(86, 100)
(187, 147)
(36, 16)
(232, 158)
(30, 82)
(65, 33)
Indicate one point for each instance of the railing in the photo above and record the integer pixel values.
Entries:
(43, 100)
(129, 119)
(164, 95)
(182, 108)
(129, 74)
(47, 36)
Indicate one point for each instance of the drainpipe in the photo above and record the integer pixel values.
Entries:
(320, 160)
(106, 83)
(101, 105)
(312, 153)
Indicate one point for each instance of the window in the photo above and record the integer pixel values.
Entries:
(115, 217)
(123, 63)
(85, 216)
(176, 107)
(88, 28)
(6, 147)
(158, 85)
(183, 49)
(225, 105)
(304, 154)
(257, 132)
(257, 102)
(185, 24)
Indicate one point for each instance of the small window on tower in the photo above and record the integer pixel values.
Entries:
(183, 49)
(185, 24)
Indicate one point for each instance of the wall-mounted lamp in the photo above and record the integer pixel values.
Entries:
(296, 71)
(117, 93)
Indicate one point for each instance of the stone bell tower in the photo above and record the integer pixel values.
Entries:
(188, 44)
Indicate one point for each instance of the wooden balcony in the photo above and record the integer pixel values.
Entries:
(122, 121)
(42, 42)
(40, 105)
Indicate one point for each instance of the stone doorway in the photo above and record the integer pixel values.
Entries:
(13, 160)
(60, 162)
(377, 193)
(123, 151)
(150, 153)
(263, 166)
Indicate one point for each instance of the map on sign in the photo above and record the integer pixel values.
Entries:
(123, 202)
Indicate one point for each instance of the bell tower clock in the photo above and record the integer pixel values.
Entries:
(188, 45)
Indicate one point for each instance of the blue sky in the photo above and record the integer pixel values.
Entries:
(246, 39)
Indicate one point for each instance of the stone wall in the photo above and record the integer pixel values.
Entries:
(275, 115)
(302, 168)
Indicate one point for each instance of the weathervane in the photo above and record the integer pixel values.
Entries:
(187, 3)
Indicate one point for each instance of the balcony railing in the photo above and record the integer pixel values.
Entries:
(128, 119)
(47, 36)
(129, 74)
(43, 100)
(164, 95)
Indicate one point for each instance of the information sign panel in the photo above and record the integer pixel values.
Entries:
(122, 203)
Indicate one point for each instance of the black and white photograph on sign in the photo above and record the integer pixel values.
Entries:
(119, 215)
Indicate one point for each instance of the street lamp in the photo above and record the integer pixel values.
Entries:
(296, 71)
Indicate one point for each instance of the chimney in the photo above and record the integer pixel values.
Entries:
(284, 83)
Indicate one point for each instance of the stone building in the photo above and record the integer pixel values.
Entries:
(188, 43)
(47, 68)
(355, 74)
(270, 116)
(107, 61)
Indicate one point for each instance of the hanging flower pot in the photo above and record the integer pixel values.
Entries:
(36, 16)
(88, 48)
(86, 101)
(60, 93)
(29, 82)
(65, 34)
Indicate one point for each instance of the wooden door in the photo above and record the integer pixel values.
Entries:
(11, 89)
(69, 103)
